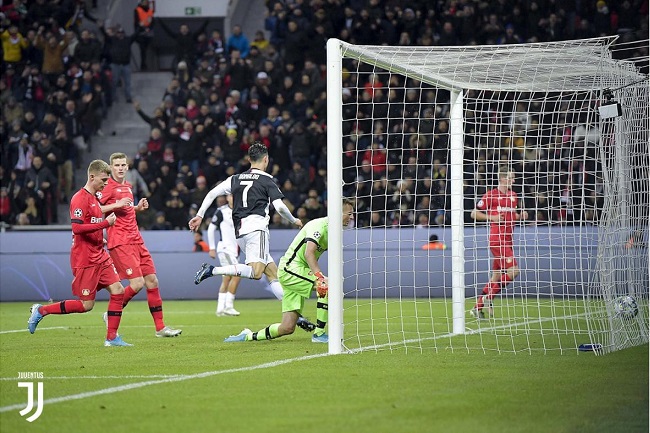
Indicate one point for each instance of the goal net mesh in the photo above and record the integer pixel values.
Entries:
(423, 132)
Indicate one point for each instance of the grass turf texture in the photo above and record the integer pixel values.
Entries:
(284, 385)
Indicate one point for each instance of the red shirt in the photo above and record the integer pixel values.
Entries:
(125, 230)
(87, 231)
(495, 202)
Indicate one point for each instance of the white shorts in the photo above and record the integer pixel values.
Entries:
(255, 246)
(226, 258)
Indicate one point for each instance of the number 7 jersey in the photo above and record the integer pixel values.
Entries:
(252, 192)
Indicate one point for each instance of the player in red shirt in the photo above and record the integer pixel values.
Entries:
(92, 267)
(499, 207)
(126, 246)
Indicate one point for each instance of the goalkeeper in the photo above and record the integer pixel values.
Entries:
(300, 274)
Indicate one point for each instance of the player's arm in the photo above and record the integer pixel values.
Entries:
(284, 211)
(310, 257)
(224, 188)
(142, 205)
(123, 202)
(479, 215)
(78, 227)
(212, 228)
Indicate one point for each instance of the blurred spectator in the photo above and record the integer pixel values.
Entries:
(119, 50)
(143, 16)
(160, 223)
(185, 41)
(238, 41)
(200, 245)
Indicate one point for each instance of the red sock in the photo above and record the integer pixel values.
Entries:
(489, 287)
(114, 315)
(503, 282)
(155, 307)
(129, 293)
(63, 307)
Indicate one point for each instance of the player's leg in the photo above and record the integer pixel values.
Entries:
(83, 278)
(321, 321)
(221, 299)
(231, 292)
(228, 288)
(497, 251)
(253, 245)
(114, 314)
(292, 305)
(154, 300)
(127, 262)
(271, 272)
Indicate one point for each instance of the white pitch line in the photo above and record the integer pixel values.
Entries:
(137, 385)
(181, 378)
(11, 331)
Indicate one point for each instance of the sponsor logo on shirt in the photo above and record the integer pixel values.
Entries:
(94, 220)
(505, 209)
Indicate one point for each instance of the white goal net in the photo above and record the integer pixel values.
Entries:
(548, 141)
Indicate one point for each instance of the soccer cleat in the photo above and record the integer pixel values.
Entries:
(305, 324)
(245, 335)
(230, 311)
(117, 341)
(34, 318)
(203, 273)
(322, 338)
(477, 314)
(168, 332)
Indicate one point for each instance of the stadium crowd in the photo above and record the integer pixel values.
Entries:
(226, 93)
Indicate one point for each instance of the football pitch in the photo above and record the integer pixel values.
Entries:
(198, 383)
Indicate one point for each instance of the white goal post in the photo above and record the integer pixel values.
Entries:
(417, 136)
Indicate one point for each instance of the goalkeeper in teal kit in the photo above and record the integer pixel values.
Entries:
(299, 275)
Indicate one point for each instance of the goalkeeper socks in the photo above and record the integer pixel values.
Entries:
(63, 307)
(221, 302)
(155, 307)
(114, 315)
(238, 270)
(321, 315)
(268, 333)
(276, 288)
(129, 293)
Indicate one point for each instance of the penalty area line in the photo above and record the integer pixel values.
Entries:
(128, 387)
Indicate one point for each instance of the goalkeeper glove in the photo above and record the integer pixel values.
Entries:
(321, 284)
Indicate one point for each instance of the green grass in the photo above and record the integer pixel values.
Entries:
(283, 385)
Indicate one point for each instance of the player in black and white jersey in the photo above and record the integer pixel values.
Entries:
(227, 251)
(253, 192)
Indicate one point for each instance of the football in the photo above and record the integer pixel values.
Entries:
(626, 307)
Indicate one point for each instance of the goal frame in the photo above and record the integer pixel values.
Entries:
(581, 76)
